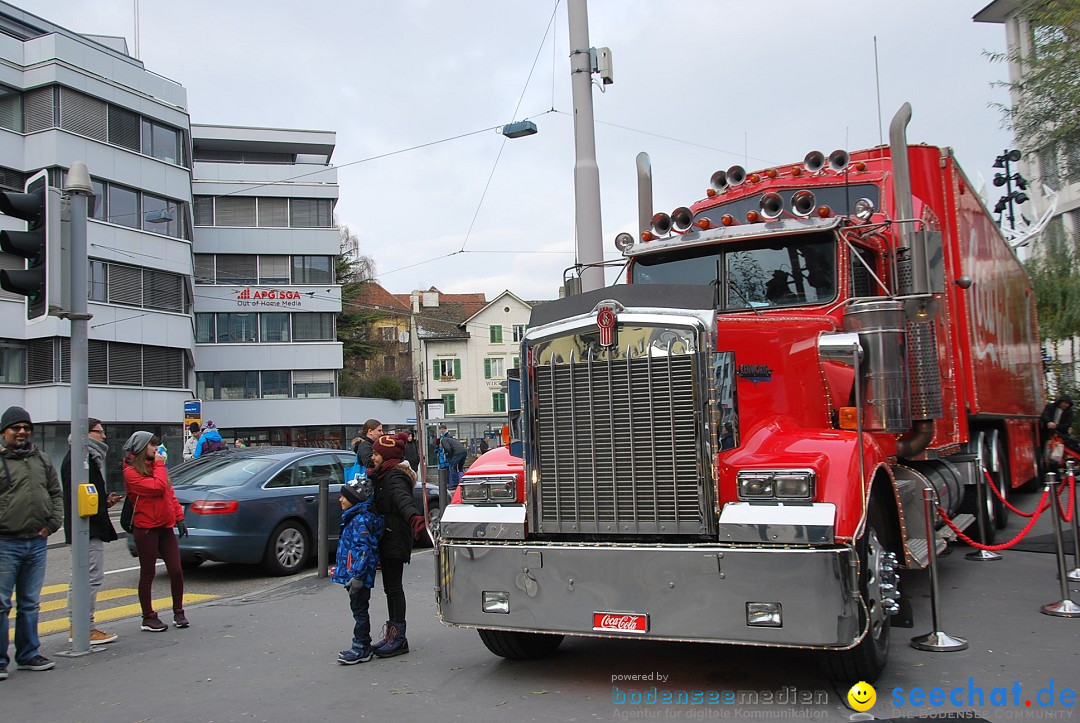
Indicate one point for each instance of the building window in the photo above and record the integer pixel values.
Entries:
(273, 269)
(310, 213)
(389, 363)
(449, 404)
(204, 268)
(495, 333)
(275, 384)
(12, 362)
(388, 333)
(237, 385)
(160, 141)
(234, 211)
(493, 369)
(204, 328)
(313, 384)
(95, 205)
(11, 109)
(313, 269)
(237, 269)
(498, 402)
(519, 332)
(313, 326)
(204, 210)
(274, 212)
(275, 328)
(237, 328)
(447, 370)
(517, 363)
(98, 280)
(160, 216)
(124, 206)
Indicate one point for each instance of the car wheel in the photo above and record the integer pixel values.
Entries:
(519, 646)
(287, 550)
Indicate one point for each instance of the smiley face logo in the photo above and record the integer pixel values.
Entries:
(862, 696)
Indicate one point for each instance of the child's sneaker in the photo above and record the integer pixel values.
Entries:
(154, 625)
(352, 657)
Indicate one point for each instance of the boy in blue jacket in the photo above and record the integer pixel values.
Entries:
(357, 558)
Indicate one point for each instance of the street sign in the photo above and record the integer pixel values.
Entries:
(192, 412)
(410, 420)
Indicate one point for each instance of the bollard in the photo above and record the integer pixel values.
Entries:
(935, 641)
(980, 516)
(1063, 608)
(1074, 574)
(444, 479)
(324, 528)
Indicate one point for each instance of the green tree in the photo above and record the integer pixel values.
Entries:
(1055, 273)
(1047, 108)
(354, 271)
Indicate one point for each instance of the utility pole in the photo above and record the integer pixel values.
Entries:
(79, 189)
(589, 242)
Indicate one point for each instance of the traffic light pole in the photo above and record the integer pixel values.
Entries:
(79, 189)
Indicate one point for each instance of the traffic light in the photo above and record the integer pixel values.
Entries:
(41, 211)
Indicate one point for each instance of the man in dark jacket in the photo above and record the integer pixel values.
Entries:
(1057, 417)
(101, 527)
(31, 509)
(455, 456)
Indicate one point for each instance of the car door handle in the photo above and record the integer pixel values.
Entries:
(309, 498)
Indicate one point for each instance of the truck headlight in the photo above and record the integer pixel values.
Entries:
(778, 484)
(488, 489)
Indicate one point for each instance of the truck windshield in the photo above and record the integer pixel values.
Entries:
(791, 270)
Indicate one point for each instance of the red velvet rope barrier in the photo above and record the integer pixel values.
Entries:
(1042, 507)
(1001, 498)
(1067, 517)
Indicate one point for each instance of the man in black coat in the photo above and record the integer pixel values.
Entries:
(101, 527)
(1056, 417)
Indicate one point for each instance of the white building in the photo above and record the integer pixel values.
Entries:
(63, 98)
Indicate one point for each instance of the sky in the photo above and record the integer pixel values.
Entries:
(415, 89)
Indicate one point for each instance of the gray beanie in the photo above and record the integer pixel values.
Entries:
(137, 442)
(13, 416)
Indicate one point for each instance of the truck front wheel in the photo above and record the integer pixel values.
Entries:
(867, 659)
(519, 646)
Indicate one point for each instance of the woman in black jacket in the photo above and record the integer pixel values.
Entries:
(394, 483)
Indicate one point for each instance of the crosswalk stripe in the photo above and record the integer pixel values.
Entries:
(103, 615)
(103, 595)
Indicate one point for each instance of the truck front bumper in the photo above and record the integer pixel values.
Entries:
(692, 593)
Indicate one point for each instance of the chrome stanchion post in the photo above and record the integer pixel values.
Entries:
(1074, 574)
(935, 641)
(323, 529)
(1063, 608)
(980, 515)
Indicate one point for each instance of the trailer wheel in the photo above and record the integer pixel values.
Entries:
(513, 645)
(1001, 479)
(867, 659)
(995, 511)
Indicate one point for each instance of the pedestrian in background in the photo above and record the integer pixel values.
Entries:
(31, 509)
(210, 440)
(357, 558)
(101, 526)
(455, 456)
(371, 431)
(239, 444)
(412, 452)
(157, 511)
(393, 482)
(194, 432)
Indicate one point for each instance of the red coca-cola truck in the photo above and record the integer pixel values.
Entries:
(732, 446)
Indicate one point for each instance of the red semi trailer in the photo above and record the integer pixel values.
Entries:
(733, 445)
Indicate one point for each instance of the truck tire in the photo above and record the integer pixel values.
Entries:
(867, 659)
(1002, 481)
(519, 646)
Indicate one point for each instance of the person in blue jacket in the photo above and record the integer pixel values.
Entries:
(210, 441)
(357, 558)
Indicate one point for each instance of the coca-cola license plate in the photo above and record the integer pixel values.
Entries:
(621, 622)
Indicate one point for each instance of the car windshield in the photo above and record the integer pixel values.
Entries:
(222, 473)
(788, 270)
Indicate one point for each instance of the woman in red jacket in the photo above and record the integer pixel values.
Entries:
(156, 512)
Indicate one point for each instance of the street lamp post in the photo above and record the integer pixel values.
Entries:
(1006, 179)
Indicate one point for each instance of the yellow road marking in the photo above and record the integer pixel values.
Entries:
(103, 595)
(51, 589)
(121, 611)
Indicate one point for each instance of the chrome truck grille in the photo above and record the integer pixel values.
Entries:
(619, 437)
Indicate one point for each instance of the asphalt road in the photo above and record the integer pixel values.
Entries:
(269, 656)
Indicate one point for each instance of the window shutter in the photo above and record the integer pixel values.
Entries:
(457, 369)
(125, 285)
(97, 354)
(274, 212)
(65, 360)
(234, 211)
(39, 361)
(163, 367)
(38, 109)
(125, 364)
(163, 291)
(11, 110)
(83, 115)
(204, 210)
(436, 370)
(123, 128)
(487, 369)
